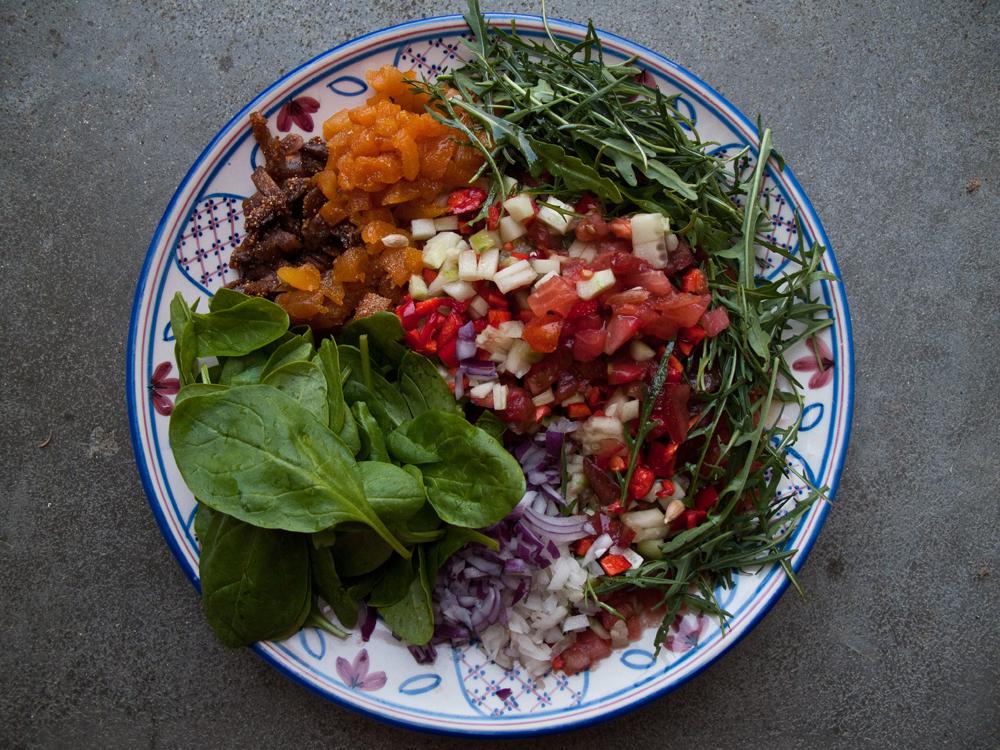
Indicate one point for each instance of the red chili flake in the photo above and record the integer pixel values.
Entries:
(615, 564)
(641, 482)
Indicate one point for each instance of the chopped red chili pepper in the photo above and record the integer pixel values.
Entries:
(660, 458)
(694, 282)
(578, 411)
(615, 564)
(542, 411)
(616, 463)
(581, 546)
(493, 217)
(706, 499)
(466, 200)
(641, 482)
(496, 317)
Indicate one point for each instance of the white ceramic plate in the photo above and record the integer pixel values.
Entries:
(462, 692)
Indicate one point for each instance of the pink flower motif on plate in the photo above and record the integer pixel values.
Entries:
(687, 634)
(297, 111)
(162, 388)
(355, 674)
(820, 362)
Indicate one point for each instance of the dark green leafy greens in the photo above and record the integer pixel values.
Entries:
(288, 448)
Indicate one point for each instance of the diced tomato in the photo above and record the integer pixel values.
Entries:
(586, 323)
(626, 371)
(520, 410)
(466, 200)
(493, 217)
(588, 649)
(654, 281)
(567, 386)
(715, 321)
(542, 333)
(706, 498)
(629, 302)
(583, 308)
(621, 228)
(587, 203)
(557, 295)
(622, 248)
(660, 458)
(689, 519)
(671, 409)
(493, 297)
(679, 259)
(627, 264)
(541, 412)
(694, 282)
(543, 374)
(694, 334)
(591, 228)
(589, 344)
(578, 411)
(447, 352)
(480, 325)
(496, 317)
(542, 237)
(621, 328)
(581, 546)
(682, 310)
(615, 564)
(675, 370)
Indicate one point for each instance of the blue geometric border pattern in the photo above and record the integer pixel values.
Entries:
(213, 229)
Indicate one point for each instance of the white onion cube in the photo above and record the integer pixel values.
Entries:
(422, 229)
(511, 229)
(517, 275)
(519, 207)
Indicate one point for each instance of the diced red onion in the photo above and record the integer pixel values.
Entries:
(481, 369)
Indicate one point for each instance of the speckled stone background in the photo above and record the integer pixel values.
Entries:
(887, 112)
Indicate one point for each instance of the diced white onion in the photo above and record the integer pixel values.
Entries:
(460, 290)
(511, 229)
(543, 398)
(555, 219)
(482, 390)
(499, 397)
(422, 229)
(520, 209)
(643, 519)
(516, 275)
(488, 263)
(599, 282)
(479, 307)
(468, 265)
(520, 358)
(640, 351)
(418, 288)
(545, 265)
(446, 223)
(574, 623)
(512, 328)
(445, 276)
(628, 411)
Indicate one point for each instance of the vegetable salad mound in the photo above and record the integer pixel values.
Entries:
(547, 416)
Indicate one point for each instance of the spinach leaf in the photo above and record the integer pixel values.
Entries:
(240, 329)
(329, 362)
(412, 617)
(405, 450)
(393, 584)
(477, 482)
(185, 342)
(197, 389)
(295, 349)
(349, 434)
(372, 440)
(491, 424)
(255, 582)
(224, 298)
(422, 385)
(254, 452)
(392, 491)
(384, 400)
(245, 370)
(425, 519)
(327, 584)
(384, 333)
(302, 380)
(359, 552)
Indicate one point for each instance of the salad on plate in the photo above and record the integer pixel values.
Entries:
(499, 367)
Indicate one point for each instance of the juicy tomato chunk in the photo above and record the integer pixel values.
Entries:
(715, 321)
(653, 281)
(557, 295)
(671, 409)
(621, 328)
(520, 410)
(589, 344)
(682, 310)
(626, 371)
(542, 333)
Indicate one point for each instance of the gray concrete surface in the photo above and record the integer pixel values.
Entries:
(886, 111)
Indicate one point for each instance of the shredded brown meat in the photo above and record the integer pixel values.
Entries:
(284, 229)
